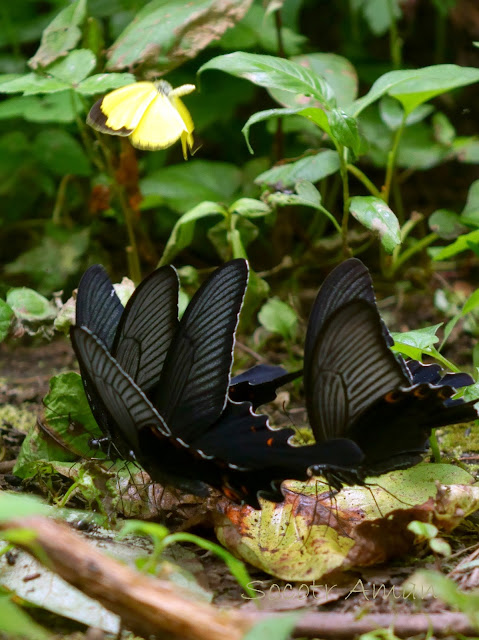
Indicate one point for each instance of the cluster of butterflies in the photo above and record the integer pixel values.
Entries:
(162, 394)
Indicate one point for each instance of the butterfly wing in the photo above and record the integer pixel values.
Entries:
(342, 381)
(193, 387)
(258, 385)
(147, 327)
(97, 305)
(160, 125)
(120, 111)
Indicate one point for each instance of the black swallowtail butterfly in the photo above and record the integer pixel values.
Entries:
(358, 390)
(182, 426)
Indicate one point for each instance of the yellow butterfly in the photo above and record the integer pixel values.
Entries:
(150, 113)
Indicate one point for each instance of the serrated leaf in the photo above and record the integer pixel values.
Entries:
(375, 215)
(61, 35)
(312, 168)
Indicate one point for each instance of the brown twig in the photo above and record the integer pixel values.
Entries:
(152, 606)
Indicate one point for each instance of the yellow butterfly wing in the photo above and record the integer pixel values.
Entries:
(160, 125)
(119, 112)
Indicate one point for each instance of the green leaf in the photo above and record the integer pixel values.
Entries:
(378, 14)
(447, 224)
(183, 231)
(16, 623)
(62, 107)
(27, 304)
(260, 116)
(182, 186)
(306, 195)
(103, 82)
(279, 627)
(6, 315)
(61, 153)
(61, 35)
(250, 208)
(392, 112)
(463, 243)
(312, 168)
(344, 129)
(169, 32)
(278, 317)
(338, 72)
(471, 303)
(233, 241)
(415, 343)
(273, 73)
(440, 546)
(76, 66)
(375, 215)
(470, 213)
(443, 130)
(415, 86)
(31, 84)
(423, 529)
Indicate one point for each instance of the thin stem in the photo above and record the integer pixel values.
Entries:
(344, 178)
(330, 217)
(279, 136)
(418, 246)
(435, 447)
(60, 200)
(392, 157)
(395, 43)
(362, 177)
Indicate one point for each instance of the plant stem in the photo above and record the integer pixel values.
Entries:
(60, 199)
(418, 246)
(395, 43)
(344, 178)
(330, 217)
(392, 157)
(434, 447)
(362, 177)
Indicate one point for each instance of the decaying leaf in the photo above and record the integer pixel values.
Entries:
(313, 535)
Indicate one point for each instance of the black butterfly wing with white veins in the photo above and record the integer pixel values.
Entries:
(97, 305)
(147, 327)
(192, 391)
(125, 401)
(351, 368)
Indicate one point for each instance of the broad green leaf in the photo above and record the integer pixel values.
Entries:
(375, 215)
(463, 243)
(61, 35)
(423, 529)
(232, 242)
(447, 224)
(278, 317)
(169, 32)
(250, 208)
(466, 149)
(61, 153)
(312, 168)
(183, 231)
(279, 627)
(392, 112)
(102, 82)
(415, 86)
(6, 315)
(75, 67)
(63, 107)
(306, 195)
(32, 84)
(273, 73)
(183, 186)
(15, 623)
(443, 129)
(27, 304)
(338, 72)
